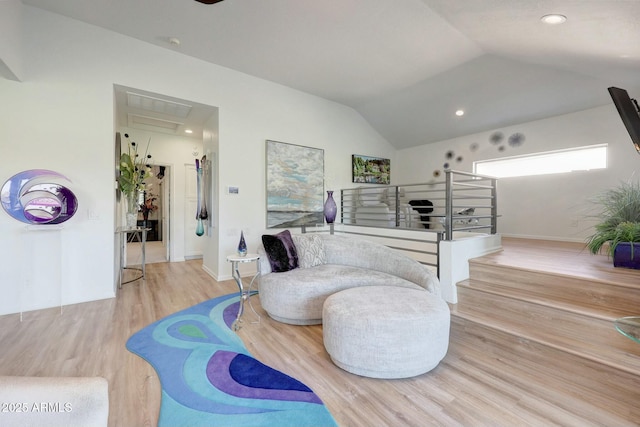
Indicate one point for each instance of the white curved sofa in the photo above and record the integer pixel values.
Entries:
(337, 263)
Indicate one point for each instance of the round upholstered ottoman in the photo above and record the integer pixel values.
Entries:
(385, 331)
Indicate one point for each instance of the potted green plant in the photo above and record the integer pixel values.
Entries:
(619, 225)
(134, 169)
(626, 244)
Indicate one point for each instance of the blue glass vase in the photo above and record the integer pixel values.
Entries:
(330, 208)
(242, 245)
(199, 228)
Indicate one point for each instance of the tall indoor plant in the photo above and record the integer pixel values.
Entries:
(619, 225)
(134, 169)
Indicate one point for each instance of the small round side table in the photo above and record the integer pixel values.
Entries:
(235, 261)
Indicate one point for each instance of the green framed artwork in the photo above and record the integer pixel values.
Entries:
(370, 170)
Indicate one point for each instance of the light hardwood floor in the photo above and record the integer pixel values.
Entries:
(154, 252)
(483, 381)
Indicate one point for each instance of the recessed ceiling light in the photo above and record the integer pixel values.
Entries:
(460, 113)
(188, 131)
(553, 19)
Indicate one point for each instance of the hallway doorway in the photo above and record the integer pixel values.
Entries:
(154, 214)
(177, 132)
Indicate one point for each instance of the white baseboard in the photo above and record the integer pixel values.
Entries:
(553, 238)
(217, 278)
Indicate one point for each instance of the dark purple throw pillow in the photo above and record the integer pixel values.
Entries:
(281, 251)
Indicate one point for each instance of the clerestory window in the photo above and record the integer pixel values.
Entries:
(560, 161)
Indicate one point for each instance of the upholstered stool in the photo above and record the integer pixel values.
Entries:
(385, 331)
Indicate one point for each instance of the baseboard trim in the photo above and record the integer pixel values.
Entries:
(553, 238)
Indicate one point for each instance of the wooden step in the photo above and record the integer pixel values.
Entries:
(602, 394)
(562, 259)
(582, 335)
(589, 284)
(545, 311)
(596, 299)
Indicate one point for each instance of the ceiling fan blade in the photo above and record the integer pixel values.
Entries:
(209, 1)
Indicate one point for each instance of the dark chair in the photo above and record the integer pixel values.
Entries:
(423, 207)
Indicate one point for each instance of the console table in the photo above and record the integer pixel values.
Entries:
(154, 234)
(140, 235)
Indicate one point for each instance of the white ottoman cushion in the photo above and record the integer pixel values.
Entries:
(386, 331)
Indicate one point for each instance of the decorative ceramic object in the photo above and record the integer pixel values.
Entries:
(242, 245)
(202, 193)
(619, 222)
(330, 208)
(201, 207)
(132, 209)
(627, 255)
(28, 199)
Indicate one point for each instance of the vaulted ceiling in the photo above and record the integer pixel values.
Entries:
(405, 65)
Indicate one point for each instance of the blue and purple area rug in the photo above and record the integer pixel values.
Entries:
(209, 378)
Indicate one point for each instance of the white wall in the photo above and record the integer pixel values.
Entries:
(61, 117)
(10, 39)
(338, 130)
(550, 206)
(211, 146)
(454, 259)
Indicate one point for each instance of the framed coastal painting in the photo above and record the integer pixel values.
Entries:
(370, 170)
(295, 185)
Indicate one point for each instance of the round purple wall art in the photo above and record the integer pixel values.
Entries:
(31, 197)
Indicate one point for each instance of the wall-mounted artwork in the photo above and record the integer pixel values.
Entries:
(370, 170)
(31, 197)
(295, 185)
(118, 152)
(203, 189)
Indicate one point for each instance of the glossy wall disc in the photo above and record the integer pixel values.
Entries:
(31, 197)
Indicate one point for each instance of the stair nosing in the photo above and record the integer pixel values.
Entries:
(592, 280)
(539, 300)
